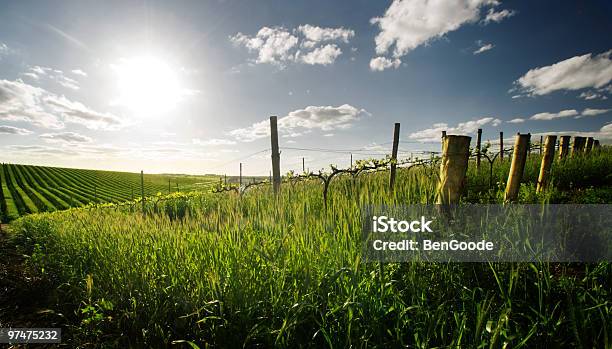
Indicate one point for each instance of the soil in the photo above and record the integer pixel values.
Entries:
(23, 295)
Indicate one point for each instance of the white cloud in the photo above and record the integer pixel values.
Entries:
(497, 16)
(579, 72)
(590, 95)
(593, 112)
(4, 50)
(65, 137)
(10, 130)
(79, 72)
(213, 141)
(280, 46)
(374, 147)
(552, 116)
(68, 83)
(317, 34)
(23, 102)
(273, 45)
(516, 121)
(324, 55)
(408, 24)
(483, 48)
(301, 121)
(39, 151)
(78, 113)
(382, 63)
(434, 133)
(600, 93)
(36, 72)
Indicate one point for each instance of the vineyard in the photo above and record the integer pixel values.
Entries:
(32, 189)
(282, 266)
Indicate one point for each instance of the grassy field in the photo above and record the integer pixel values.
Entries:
(31, 189)
(257, 270)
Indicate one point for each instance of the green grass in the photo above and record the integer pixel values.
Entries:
(30, 189)
(255, 270)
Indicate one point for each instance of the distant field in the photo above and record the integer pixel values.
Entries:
(30, 189)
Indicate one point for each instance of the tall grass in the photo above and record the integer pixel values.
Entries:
(258, 270)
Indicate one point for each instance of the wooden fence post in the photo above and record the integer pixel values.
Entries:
(443, 136)
(275, 154)
(589, 144)
(303, 165)
(547, 158)
(240, 175)
(541, 143)
(455, 156)
(501, 146)
(529, 144)
(478, 144)
(519, 156)
(142, 190)
(578, 145)
(564, 142)
(169, 186)
(396, 133)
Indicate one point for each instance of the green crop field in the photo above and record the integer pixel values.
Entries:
(258, 270)
(31, 189)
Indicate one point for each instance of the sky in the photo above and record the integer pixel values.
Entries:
(188, 86)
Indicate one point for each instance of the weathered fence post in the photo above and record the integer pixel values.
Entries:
(240, 174)
(455, 156)
(547, 158)
(578, 145)
(529, 144)
(225, 179)
(519, 156)
(303, 165)
(589, 144)
(541, 143)
(564, 142)
(396, 133)
(501, 146)
(275, 154)
(351, 160)
(478, 144)
(142, 190)
(169, 186)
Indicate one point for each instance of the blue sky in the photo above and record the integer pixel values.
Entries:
(187, 87)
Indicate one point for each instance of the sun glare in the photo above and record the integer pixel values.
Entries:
(147, 85)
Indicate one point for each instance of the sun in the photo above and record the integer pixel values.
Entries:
(146, 85)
